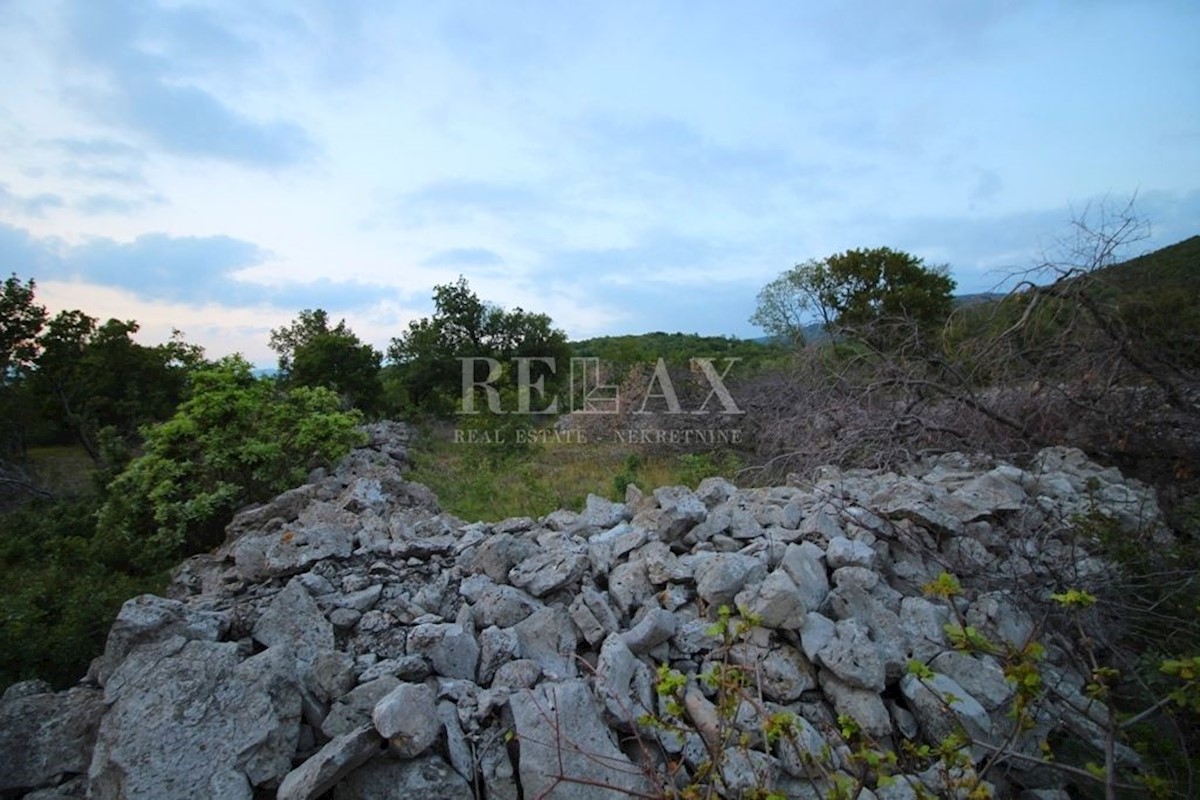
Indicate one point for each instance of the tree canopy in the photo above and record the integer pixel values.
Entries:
(861, 293)
(464, 326)
(313, 354)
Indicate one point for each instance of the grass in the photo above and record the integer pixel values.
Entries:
(475, 483)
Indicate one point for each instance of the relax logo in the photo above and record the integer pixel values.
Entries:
(587, 394)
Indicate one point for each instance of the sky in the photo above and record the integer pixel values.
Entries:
(623, 167)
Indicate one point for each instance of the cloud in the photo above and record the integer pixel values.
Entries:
(105, 203)
(28, 205)
(457, 200)
(191, 270)
(463, 256)
(164, 99)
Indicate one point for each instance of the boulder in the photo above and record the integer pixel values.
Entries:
(190, 718)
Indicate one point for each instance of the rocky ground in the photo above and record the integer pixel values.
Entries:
(350, 640)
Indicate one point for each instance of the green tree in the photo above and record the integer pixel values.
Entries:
(463, 326)
(236, 440)
(91, 377)
(864, 293)
(313, 354)
(21, 320)
(308, 325)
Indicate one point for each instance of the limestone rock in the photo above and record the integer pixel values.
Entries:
(45, 734)
(189, 718)
(407, 718)
(322, 771)
(560, 732)
(382, 778)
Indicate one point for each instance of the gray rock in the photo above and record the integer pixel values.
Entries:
(293, 619)
(843, 552)
(805, 563)
(600, 512)
(775, 601)
(322, 531)
(942, 706)
(407, 718)
(981, 676)
(561, 735)
(721, 577)
(548, 637)
(450, 649)
(782, 671)
(853, 657)
(498, 554)
(681, 510)
(503, 606)
(496, 646)
(322, 771)
(817, 632)
(147, 619)
(188, 717)
(592, 615)
(629, 586)
(425, 778)
(548, 570)
(623, 683)
(353, 710)
(44, 735)
(864, 706)
(655, 627)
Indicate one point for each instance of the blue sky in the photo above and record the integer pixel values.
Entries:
(623, 167)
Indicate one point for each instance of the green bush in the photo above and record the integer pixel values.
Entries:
(237, 440)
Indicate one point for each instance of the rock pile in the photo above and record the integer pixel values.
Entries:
(350, 640)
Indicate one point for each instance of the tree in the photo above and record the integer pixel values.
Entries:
(307, 325)
(236, 440)
(91, 377)
(463, 326)
(313, 354)
(859, 293)
(21, 320)
(782, 307)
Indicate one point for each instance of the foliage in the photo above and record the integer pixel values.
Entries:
(427, 356)
(861, 293)
(236, 440)
(89, 377)
(313, 354)
(677, 349)
(21, 320)
(60, 588)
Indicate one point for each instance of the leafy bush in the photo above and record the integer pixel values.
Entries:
(237, 440)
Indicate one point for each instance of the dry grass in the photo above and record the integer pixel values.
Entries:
(475, 484)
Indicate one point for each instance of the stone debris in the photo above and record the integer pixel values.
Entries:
(350, 637)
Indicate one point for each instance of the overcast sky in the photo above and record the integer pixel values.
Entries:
(622, 167)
